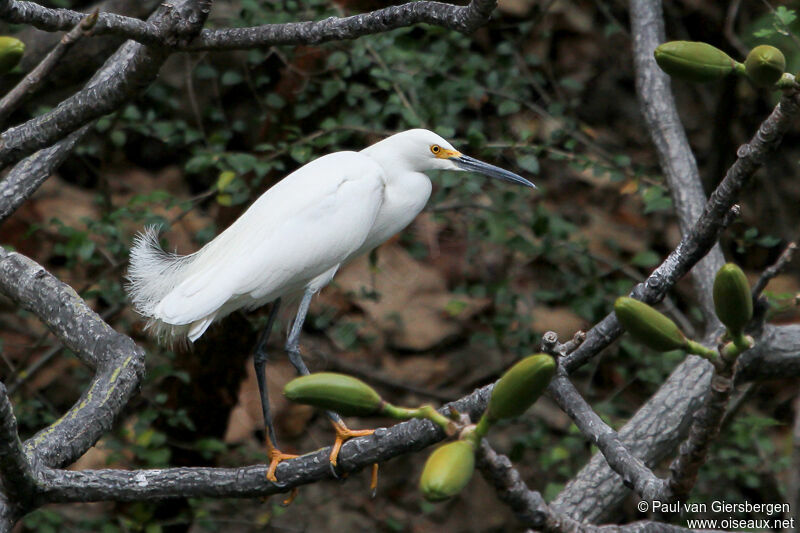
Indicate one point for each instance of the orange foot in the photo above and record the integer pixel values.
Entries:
(275, 457)
(343, 434)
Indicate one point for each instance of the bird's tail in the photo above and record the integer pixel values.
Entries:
(152, 274)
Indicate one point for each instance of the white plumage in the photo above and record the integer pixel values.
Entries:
(295, 236)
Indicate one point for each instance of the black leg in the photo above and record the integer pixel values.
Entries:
(259, 363)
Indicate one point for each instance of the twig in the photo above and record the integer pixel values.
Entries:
(551, 345)
(465, 19)
(780, 264)
(730, 30)
(529, 506)
(31, 82)
(635, 474)
(705, 428)
(532, 511)
(704, 234)
(45, 358)
(736, 403)
(398, 91)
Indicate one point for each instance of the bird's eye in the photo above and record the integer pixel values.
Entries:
(435, 149)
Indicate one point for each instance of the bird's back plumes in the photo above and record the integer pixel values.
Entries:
(153, 273)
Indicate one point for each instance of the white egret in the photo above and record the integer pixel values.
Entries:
(289, 244)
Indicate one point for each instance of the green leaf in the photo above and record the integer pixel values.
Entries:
(647, 258)
(785, 16)
(507, 107)
(530, 163)
(337, 60)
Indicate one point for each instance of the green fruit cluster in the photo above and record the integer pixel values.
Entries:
(700, 62)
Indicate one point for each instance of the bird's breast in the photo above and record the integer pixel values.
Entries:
(402, 202)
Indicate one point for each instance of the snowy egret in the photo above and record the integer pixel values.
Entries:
(289, 244)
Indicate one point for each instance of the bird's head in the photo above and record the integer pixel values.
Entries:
(422, 150)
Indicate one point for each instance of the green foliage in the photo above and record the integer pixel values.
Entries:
(782, 20)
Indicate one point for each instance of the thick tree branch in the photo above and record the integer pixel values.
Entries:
(138, 485)
(776, 355)
(27, 175)
(705, 428)
(465, 19)
(18, 481)
(669, 138)
(119, 362)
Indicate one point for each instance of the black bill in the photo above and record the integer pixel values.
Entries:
(468, 163)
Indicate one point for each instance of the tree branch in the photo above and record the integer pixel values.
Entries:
(705, 231)
(664, 125)
(250, 481)
(705, 428)
(465, 19)
(688, 252)
(119, 362)
(531, 509)
(136, 66)
(25, 178)
(31, 82)
(19, 483)
(49, 19)
(776, 355)
(782, 262)
(634, 473)
(652, 434)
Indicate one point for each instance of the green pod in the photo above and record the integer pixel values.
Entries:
(11, 50)
(448, 470)
(649, 326)
(520, 386)
(733, 301)
(765, 65)
(693, 61)
(342, 394)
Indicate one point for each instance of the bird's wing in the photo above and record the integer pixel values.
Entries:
(300, 228)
